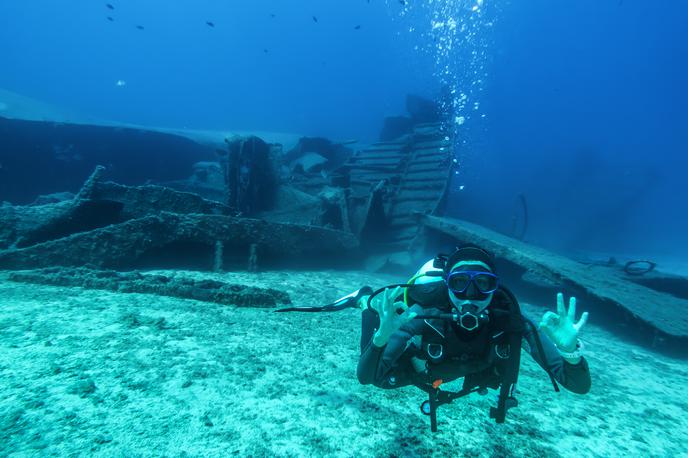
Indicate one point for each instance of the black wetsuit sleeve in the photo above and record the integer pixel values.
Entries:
(388, 366)
(573, 377)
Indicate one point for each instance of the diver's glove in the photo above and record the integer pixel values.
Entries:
(562, 328)
(390, 320)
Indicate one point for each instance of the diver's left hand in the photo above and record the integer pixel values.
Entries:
(561, 327)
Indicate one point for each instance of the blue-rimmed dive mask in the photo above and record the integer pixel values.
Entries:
(471, 285)
(459, 281)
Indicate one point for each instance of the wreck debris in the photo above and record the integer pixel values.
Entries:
(399, 178)
(253, 258)
(309, 163)
(207, 180)
(96, 205)
(608, 288)
(25, 226)
(183, 240)
(162, 285)
(52, 198)
(148, 223)
(639, 267)
(219, 250)
(250, 176)
(139, 201)
(29, 225)
(333, 209)
(372, 192)
(314, 165)
(86, 191)
(323, 154)
(366, 196)
(675, 285)
(293, 206)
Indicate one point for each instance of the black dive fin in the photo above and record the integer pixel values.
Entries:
(348, 301)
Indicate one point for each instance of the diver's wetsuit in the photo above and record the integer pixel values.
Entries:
(391, 366)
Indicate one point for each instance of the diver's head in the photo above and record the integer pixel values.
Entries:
(471, 283)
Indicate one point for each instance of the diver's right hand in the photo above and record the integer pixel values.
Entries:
(390, 320)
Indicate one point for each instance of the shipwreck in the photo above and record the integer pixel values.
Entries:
(226, 201)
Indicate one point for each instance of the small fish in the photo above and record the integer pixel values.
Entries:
(140, 27)
(315, 19)
(265, 50)
(358, 27)
(109, 6)
(273, 15)
(403, 2)
(109, 18)
(210, 24)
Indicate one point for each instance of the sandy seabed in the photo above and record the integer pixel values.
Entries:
(95, 373)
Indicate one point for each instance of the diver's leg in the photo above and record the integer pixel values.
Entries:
(370, 321)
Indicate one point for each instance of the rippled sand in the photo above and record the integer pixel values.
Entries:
(105, 374)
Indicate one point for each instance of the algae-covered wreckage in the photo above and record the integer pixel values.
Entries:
(162, 199)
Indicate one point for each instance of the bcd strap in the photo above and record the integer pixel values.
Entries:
(513, 363)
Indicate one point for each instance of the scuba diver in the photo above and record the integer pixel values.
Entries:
(454, 320)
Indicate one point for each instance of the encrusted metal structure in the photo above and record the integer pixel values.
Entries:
(390, 181)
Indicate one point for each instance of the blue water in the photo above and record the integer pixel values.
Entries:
(586, 117)
(579, 105)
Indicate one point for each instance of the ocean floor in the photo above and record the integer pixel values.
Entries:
(95, 373)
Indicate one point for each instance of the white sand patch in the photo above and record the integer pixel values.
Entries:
(97, 373)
